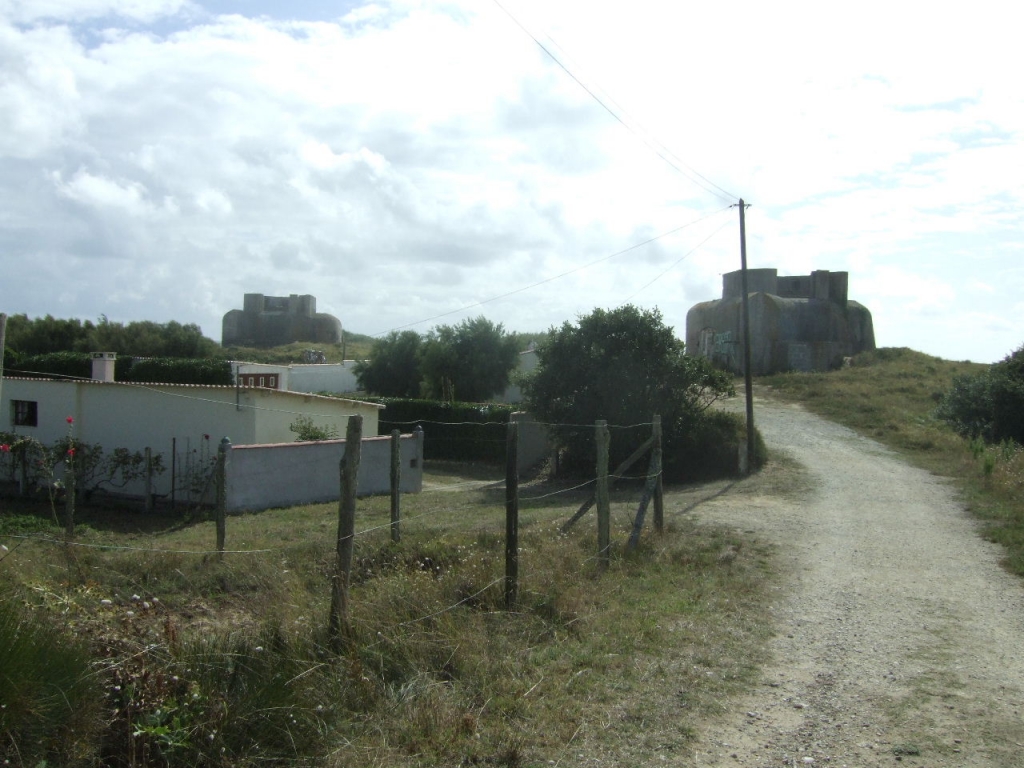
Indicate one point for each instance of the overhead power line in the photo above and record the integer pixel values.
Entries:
(673, 161)
(555, 277)
(681, 258)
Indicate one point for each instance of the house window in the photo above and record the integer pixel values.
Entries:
(258, 380)
(25, 413)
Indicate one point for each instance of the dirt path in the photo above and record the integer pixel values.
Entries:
(900, 639)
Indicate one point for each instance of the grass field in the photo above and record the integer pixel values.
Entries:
(174, 656)
(136, 645)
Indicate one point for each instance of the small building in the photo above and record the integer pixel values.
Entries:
(801, 323)
(337, 378)
(271, 321)
(183, 423)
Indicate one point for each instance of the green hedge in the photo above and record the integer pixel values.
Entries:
(452, 431)
(162, 370)
(173, 370)
(55, 365)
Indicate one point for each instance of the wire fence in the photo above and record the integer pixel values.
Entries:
(453, 499)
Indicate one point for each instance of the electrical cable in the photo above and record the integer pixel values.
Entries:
(555, 277)
(690, 173)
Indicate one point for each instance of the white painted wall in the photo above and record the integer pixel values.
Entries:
(159, 416)
(339, 378)
(266, 476)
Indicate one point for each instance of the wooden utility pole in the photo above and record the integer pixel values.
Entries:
(747, 379)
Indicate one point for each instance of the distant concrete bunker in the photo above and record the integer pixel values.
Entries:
(797, 323)
(272, 321)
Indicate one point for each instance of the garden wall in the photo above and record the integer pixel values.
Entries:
(286, 474)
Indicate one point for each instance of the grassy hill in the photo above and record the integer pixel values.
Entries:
(355, 347)
(890, 395)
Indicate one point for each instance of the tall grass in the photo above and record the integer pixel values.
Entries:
(891, 394)
(50, 705)
(200, 661)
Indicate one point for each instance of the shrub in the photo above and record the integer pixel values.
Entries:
(624, 366)
(988, 405)
(451, 431)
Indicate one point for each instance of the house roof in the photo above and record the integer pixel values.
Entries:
(193, 387)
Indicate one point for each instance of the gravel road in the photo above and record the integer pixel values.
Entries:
(900, 639)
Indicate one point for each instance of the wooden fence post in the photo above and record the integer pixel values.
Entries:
(337, 627)
(512, 516)
(585, 507)
(222, 493)
(602, 439)
(149, 479)
(659, 485)
(651, 487)
(396, 485)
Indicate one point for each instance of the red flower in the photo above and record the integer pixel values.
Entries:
(70, 419)
(5, 448)
(71, 452)
(206, 437)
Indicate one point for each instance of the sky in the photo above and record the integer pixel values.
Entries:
(412, 164)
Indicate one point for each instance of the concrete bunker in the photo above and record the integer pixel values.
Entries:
(797, 323)
(271, 321)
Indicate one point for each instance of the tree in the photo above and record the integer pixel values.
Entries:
(624, 366)
(143, 338)
(393, 368)
(471, 361)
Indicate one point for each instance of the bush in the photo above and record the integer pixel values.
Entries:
(173, 370)
(988, 405)
(451, 431)
(624, 366)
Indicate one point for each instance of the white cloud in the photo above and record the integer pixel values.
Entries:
(105, 194)
(411, 158)
(29, 11)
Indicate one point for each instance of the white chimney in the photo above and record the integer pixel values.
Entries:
(103, 366)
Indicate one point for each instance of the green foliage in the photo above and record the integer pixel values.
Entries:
(451, 431)
(988, 405)
(306, 430)
(138, 338)
(78, 365)
(624, 366)
(25, 458)
(472, 360)
(52, 702)
(62, 365)
(180, 371)
(393, 367)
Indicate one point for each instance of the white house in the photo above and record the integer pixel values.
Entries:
(179, 422)
(319, 377)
